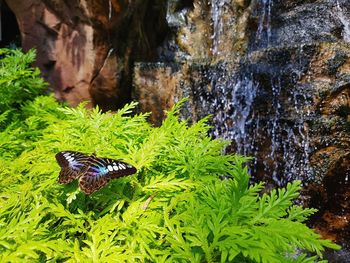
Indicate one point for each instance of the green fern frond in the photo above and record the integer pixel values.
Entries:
(175, 209)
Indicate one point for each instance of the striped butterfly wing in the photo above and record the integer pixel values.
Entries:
(100, 171)
(73, 165)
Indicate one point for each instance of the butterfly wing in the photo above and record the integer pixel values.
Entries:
(72, 165)
(100, 171)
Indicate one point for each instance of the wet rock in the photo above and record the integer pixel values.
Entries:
(294, 22)
(278, 89)
(202, 30)
(274, 74)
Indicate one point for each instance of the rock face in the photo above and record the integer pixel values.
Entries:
(275, 77)
(274, 74)
(85, 47)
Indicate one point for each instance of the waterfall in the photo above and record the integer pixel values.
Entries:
(263, 34)
(253, 109)
(280, 143)
(345, 21)
(274, 76)
(216, 14)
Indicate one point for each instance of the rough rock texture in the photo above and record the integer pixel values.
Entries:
(85, 48)
(274, 74)
(196, 33)
(160, 83)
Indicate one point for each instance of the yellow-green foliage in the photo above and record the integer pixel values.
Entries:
(175, 209)
(18, 81)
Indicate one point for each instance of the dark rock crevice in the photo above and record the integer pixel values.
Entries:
(274, 75)
(10, 34)
(74, 40)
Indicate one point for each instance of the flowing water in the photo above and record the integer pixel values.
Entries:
(263, 119)
(217, 24)
(276, 99)
(344, 20)
(279, 143)
(263, 33)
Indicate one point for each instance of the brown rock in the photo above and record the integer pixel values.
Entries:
(160, 88)
(275, 78)
(85, 49)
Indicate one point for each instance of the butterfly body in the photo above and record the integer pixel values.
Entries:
(92, 172)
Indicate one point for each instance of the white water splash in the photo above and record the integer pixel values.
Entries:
(263, 34)
(263, 120)
(290, 135)
(345, 20)
(236, 117)
(216, 16)
(233, 106)
(243, 96)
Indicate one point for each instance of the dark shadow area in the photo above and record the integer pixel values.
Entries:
(10, 34)
(141, 29)
(332, 202)
(182, 4)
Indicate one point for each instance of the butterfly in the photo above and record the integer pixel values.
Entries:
(92, 172)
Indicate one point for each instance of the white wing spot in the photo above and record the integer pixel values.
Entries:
(115, 167)
(122, 166)
(129, 166)
(110, 168)
(70, 158)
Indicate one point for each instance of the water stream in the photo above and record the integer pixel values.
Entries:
(275, 98)
(260, 116)
(217, 25)
(344, 20)
(263, 34)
